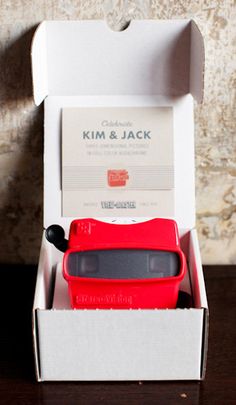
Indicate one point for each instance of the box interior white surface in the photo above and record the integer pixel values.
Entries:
(151, 63)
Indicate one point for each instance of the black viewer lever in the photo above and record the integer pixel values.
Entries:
(55, 234)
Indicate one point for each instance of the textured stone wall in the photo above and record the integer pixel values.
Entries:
(21, 123)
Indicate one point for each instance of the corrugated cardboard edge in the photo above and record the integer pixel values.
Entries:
(202, 301)
(205, 343)
(40, 299)
(34, 319)
(36, 345)
(39, 70)
(197, 63)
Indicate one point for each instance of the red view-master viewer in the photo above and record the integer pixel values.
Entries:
(106, 265)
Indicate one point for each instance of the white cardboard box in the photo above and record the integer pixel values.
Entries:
(151, 63)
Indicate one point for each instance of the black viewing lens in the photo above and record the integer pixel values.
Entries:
(124, 264)
(88, 264)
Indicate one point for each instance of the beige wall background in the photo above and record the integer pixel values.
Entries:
(21, 123)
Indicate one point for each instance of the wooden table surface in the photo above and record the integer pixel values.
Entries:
(17, 380)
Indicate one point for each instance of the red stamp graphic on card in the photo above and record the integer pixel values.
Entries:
(117, 178)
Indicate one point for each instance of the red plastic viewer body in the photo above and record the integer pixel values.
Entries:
(147, 245)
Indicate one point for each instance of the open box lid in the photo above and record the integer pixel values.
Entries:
(148, 58)
(87, 57)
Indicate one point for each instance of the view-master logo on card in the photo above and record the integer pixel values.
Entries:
(117, 178)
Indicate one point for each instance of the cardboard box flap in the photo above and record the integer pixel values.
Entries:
(197, 62)
(88, 58)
